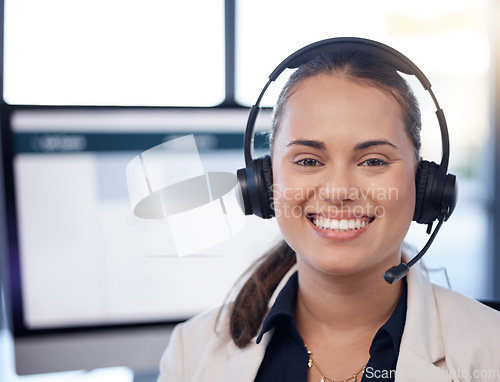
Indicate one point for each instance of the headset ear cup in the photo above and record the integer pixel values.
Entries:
(450, 194)
(420, 188)
(435, 193)
(256, 188)
(267, 192)
(242, 194)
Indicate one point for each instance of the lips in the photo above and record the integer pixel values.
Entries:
(340, 225)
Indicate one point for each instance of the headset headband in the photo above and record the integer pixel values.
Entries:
(348, 44)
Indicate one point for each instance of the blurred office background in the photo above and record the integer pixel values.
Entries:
(90, 84)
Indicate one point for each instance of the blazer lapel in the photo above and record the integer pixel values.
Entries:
(422, 347)
(414, 368)
(244, 363)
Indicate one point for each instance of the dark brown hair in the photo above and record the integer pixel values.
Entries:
(251, 303)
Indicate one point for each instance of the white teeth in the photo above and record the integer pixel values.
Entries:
(339, 225)
(344, 224)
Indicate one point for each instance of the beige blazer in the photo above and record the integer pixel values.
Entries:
(447, 337)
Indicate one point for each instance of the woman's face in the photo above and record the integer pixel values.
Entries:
(344, 176)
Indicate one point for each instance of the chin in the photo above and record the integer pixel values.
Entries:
(343, 260)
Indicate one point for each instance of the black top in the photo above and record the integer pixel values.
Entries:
(286, 357)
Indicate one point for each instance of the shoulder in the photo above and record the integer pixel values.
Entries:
(202, 348)
(470, 331)
(465, 310)
(202, 339)
(452, 309)
(211, 324)
(443, 326)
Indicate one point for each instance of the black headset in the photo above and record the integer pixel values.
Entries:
(436, 190)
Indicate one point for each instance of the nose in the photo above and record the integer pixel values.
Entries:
(339, 186)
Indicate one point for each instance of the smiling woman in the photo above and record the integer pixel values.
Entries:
(344, 181)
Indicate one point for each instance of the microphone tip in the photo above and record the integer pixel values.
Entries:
(396, 273)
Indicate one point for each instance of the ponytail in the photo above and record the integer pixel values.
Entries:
(251, 303)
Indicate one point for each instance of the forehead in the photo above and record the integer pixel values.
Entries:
(331, 105)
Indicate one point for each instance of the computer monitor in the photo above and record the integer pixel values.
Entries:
(90, 284)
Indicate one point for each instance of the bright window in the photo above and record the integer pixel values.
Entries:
(114, 52)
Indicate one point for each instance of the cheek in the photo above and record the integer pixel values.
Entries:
(398, 195)
(290, 194)
(286, 194)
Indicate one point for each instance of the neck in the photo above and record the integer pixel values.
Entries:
(361, 302)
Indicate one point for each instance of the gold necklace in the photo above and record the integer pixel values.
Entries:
(310, 364)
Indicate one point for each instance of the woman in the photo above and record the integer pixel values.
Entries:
(345, 150)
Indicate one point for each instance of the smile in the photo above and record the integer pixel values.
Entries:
(341, 225)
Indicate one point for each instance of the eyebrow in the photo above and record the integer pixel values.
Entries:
(375, 142)
(309, 143)
(360, 146)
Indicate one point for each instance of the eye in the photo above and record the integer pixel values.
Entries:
(373, 162)
(308, 162)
